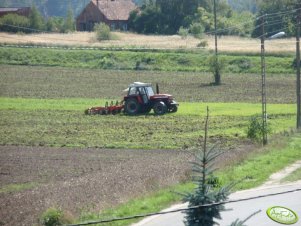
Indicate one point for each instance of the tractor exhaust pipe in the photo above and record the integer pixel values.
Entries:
(157, 88)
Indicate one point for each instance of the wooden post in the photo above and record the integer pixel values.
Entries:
(298, 66)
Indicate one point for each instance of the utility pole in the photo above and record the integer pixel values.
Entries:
(263, 85)
(298, 66)
(215, 27)
(217, 75)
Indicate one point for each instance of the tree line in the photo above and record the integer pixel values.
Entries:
(234, 17)
(281, 15)
(169, 16)
(36, 23)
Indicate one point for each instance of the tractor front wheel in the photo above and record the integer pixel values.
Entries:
(160, 108)
(132, 107)
(173, 109)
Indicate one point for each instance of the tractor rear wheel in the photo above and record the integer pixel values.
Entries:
(132, 107)
(160, 108)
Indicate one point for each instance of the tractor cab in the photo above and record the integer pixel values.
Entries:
(143, 90)
(142, 99)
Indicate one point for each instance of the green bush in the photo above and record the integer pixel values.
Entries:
(106, 63)
(183, 32)
(216, 66)
(255, 129)
(55, 24)
(243, 64)
(55, 217)
(103, 32)
(202, 43)
(294, 63)
(197, 30)
(14, 23)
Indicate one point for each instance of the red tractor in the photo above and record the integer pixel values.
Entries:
(142, 99)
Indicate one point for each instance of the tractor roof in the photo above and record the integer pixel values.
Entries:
(139, 84)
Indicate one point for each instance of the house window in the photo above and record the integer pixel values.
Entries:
(113, 25)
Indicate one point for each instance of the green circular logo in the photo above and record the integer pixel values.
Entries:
(282, 215)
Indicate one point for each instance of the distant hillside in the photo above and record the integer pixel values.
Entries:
(49, 7)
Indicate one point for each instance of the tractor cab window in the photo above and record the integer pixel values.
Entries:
(143, 94)
(133, 91)
(150, 91)
(141, 90)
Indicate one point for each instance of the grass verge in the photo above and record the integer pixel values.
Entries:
(294, 176)
(255, 169)
(131, 60)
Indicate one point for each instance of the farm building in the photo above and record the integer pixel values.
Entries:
(114, 13)
(23, 11)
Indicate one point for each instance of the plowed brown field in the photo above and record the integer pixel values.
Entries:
(81, 179)
(78, 180)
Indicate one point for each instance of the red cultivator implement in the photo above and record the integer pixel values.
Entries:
(107, 109)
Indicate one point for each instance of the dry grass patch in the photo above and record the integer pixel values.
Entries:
(225, 43)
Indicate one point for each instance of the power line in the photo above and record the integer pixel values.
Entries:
(282, 12)
(25, 28)
(253, 20)
(183, 209)
(44, 32)
(229, 28)
(275, 31)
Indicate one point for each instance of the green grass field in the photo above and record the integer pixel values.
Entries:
(62, 123)
(142, 60)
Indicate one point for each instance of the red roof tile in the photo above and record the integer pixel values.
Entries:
(115, 9)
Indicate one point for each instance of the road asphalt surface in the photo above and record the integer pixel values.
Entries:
(242, 209)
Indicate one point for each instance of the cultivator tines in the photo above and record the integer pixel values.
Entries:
(107, 109)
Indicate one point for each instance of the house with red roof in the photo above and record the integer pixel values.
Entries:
(114, 13)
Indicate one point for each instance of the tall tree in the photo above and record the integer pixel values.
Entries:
(280, 17)
(164, 16)
(69, 22)
(148, 20)
(36, 20)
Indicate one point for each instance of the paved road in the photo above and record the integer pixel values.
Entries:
(242, 209)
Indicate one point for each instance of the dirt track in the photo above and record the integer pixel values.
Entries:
(81, 179)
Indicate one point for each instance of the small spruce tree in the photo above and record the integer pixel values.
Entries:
(36, 20)
(69, 25)
(206, 191)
